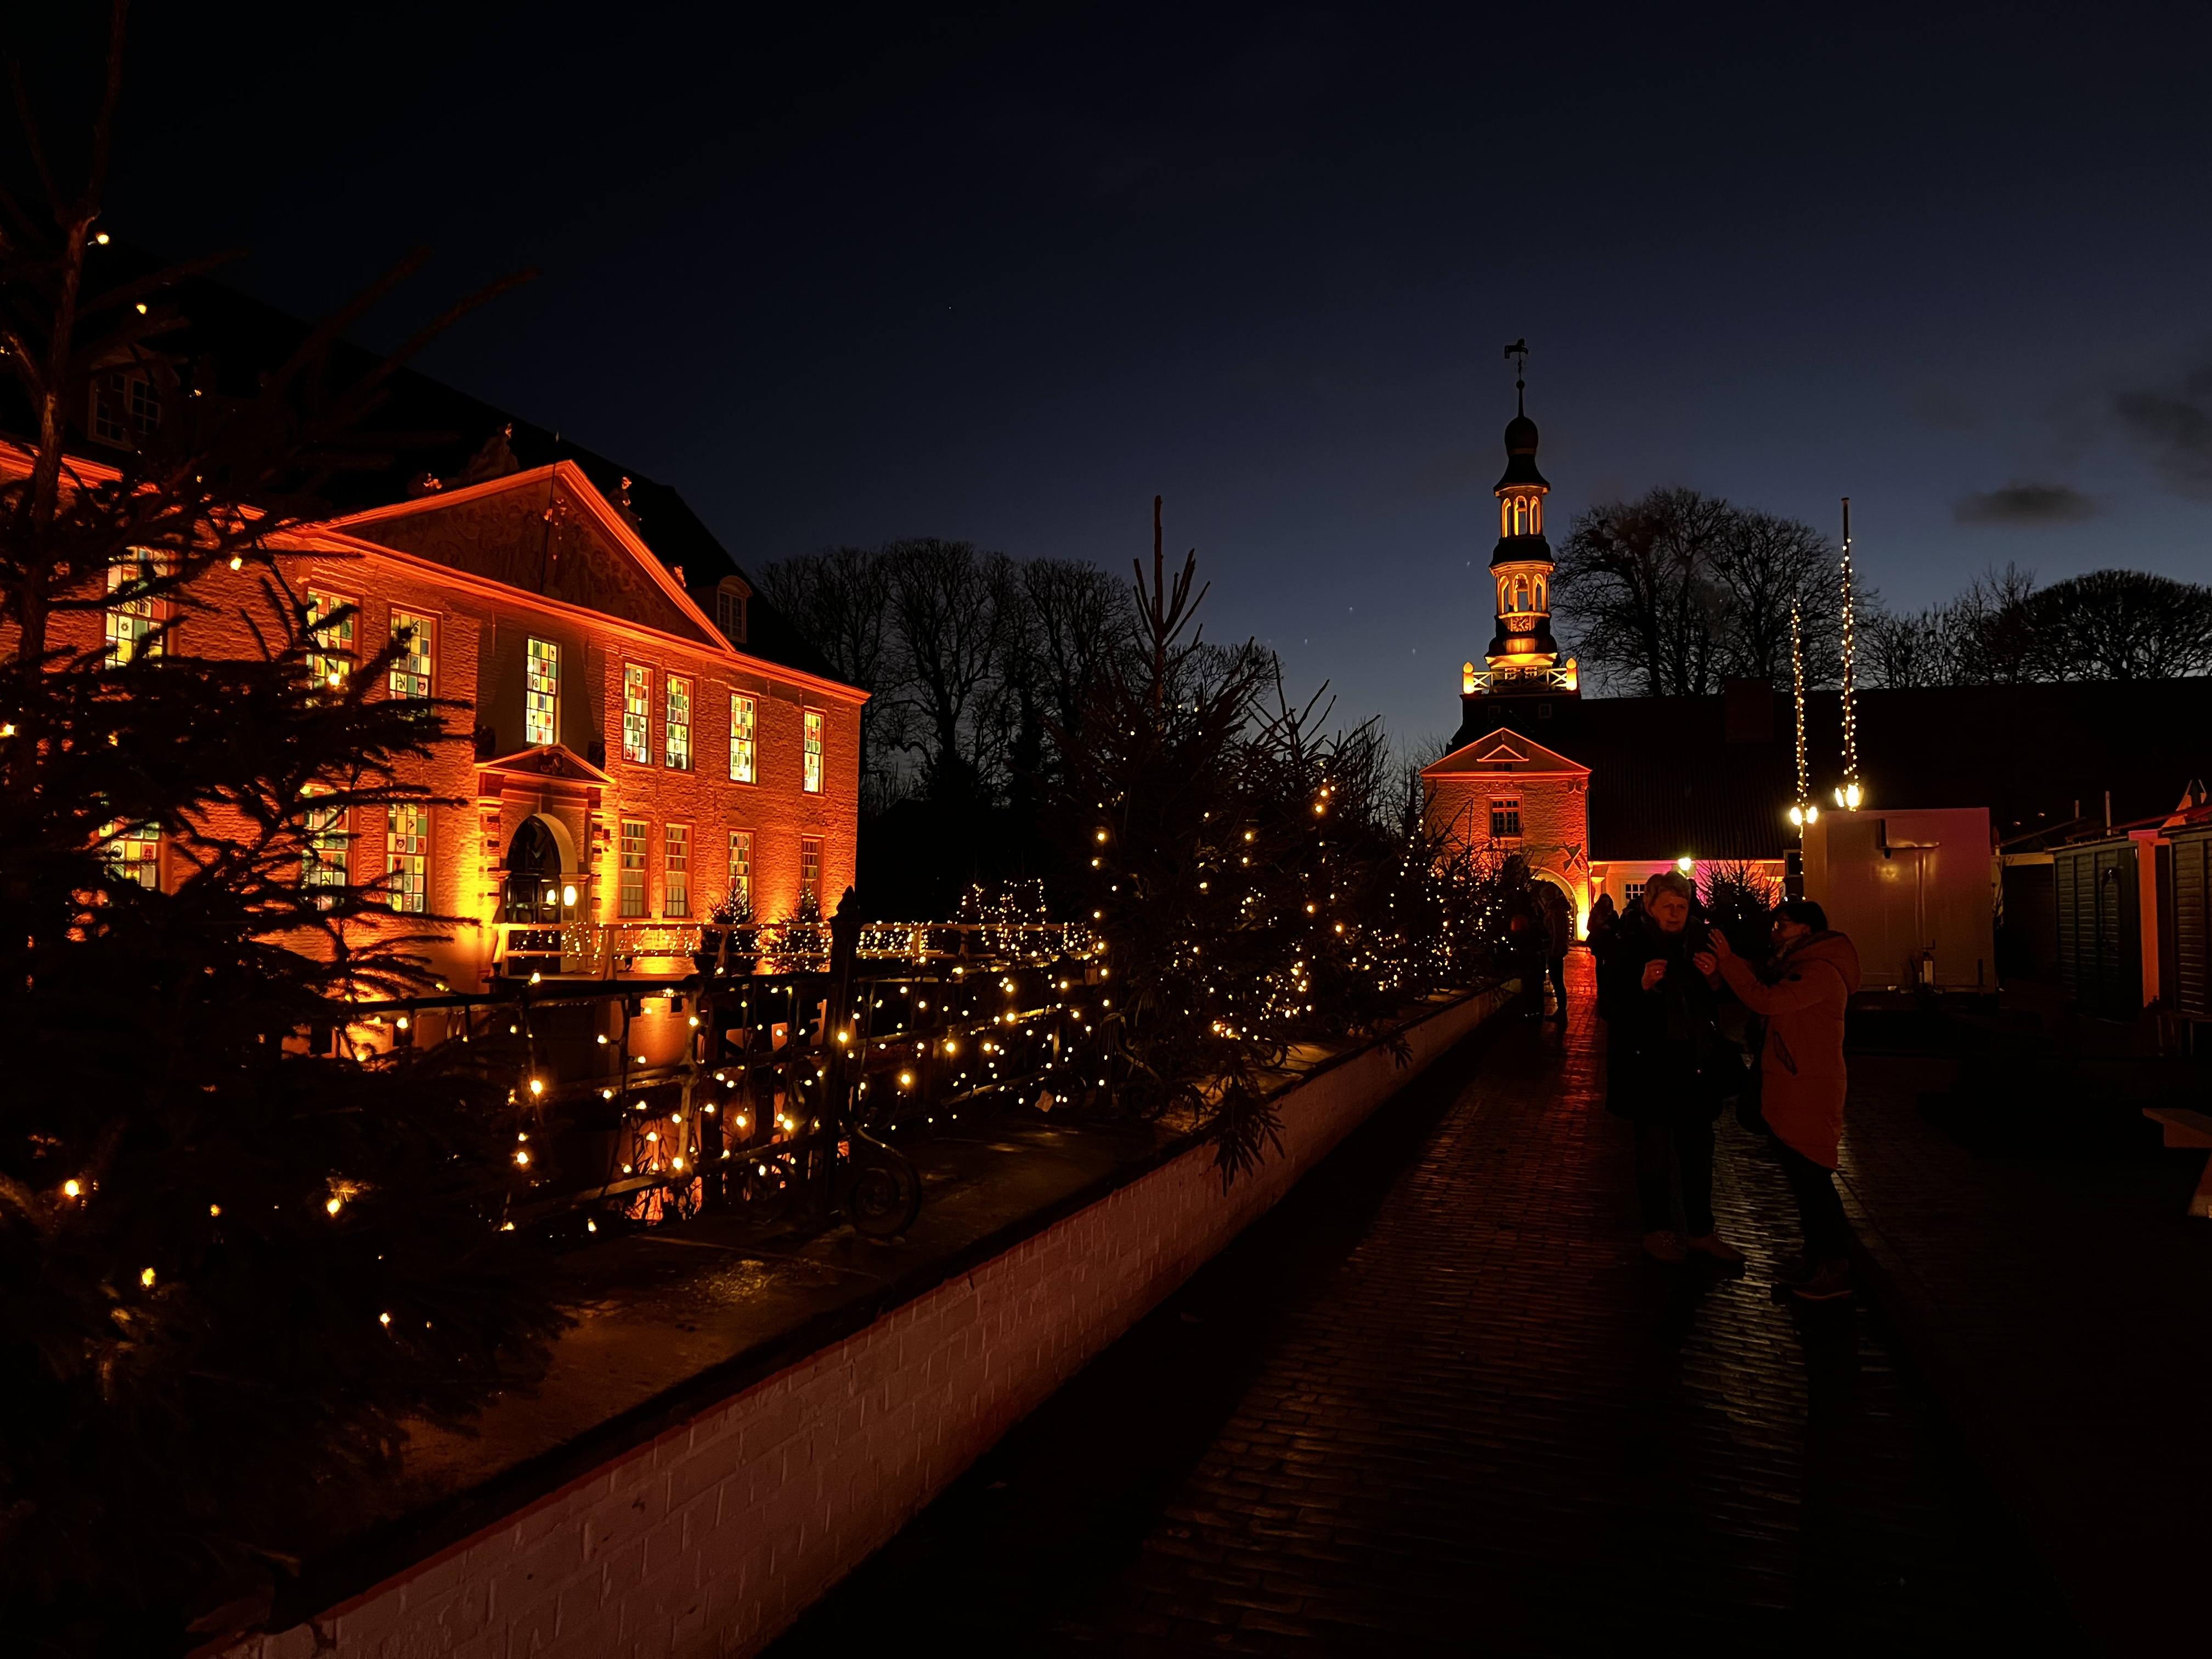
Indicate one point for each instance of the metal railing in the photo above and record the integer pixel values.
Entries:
(604, 950)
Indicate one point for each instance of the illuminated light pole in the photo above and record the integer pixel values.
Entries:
(1849, 795)
(1802, 812)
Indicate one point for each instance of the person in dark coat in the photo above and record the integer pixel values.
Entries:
(1662, 1046)
(1559, 939)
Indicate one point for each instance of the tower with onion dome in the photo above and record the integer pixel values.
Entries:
(1522, 657)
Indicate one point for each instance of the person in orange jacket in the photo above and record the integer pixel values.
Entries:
(1803, 1080)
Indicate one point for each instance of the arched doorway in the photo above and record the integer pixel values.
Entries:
(540, 890)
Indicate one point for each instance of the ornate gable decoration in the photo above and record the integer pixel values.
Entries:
(553, 761)
(547, 531)
(1504, 751)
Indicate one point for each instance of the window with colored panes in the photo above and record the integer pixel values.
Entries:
(411, 670)
(134, 853)
(814, 775)
(1506, 820)
(676, 870)
(745, 716)
(541, 694)
(810, 872)
(331, 634)
(323, 860)
(678, 743)
(130, 622)
(741, 871)
(407, 857)
(637, 714)
(632, 890)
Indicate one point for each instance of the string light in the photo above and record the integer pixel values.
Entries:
(1849, 795)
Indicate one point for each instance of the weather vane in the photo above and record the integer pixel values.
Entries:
(1520, 348)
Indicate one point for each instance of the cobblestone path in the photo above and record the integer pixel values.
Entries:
(1438, 1403)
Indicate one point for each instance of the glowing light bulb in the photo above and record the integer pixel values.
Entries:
(568, 897)
(1684, 864)
(146, 1277)
(72, 1190)
(333, 1204)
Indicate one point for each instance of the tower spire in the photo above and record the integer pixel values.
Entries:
(1519, 350)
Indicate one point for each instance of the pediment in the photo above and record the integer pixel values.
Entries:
(552, 760)
(1504, 753)
(546, 532)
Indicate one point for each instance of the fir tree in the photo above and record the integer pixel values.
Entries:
(236, 1257)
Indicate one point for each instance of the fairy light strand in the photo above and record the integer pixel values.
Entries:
(1849, 795)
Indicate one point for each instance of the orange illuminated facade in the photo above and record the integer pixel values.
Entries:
(627, 765)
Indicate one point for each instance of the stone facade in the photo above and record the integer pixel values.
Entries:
(538, 570)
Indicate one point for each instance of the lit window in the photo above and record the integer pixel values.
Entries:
(541, 695)
(637, 714)
(330, 630)
(322, 859)
(814, 778)
(130, 622)
(411, 670)
(675, 861)
(126, 406)
(810, 872)
(741, 870)
(407, 856)
(744, 715)
(1506, 820)
(632, 868)
(134, 853)
(680, 724)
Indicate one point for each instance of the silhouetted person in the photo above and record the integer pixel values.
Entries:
(1559, 939)
(1662, 1052)
(1803, 1079)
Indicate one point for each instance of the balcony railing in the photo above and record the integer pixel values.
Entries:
(1563, 677)
(605, 951)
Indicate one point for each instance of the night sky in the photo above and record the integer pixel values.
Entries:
(1004, 274)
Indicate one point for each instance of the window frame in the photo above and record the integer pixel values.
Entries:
(404, 881)
(740, 868)
(426, 653)
(332, 669)
(139, 565)
(550, 725)
(676, 871)
(637, 739)
(810, 857)
(814, 734)
(326, 846)
(677, 751)
(642, 892)
(1505, 809)
(745, 752)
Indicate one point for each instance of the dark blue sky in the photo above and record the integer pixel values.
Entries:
(1004, 274)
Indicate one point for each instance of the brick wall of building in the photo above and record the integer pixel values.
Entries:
(712, 1538)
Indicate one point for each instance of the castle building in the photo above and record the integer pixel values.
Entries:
(645, 739)
(1520, 777)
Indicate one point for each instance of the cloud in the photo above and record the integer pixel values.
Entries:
(2177, 431)
(2025, 504)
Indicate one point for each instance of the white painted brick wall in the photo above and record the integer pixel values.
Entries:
(711, 1539)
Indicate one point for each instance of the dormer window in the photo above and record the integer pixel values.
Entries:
(730, 595)
(126, 406)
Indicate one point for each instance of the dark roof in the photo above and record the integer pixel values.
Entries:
(1715, 776)
(232, 339)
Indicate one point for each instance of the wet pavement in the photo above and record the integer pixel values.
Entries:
(1438, 1403)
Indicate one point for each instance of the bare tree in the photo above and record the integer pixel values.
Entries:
(1080, 631)
(1764, 565)
(1637, 578)
(840, 600)
(958, 621)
